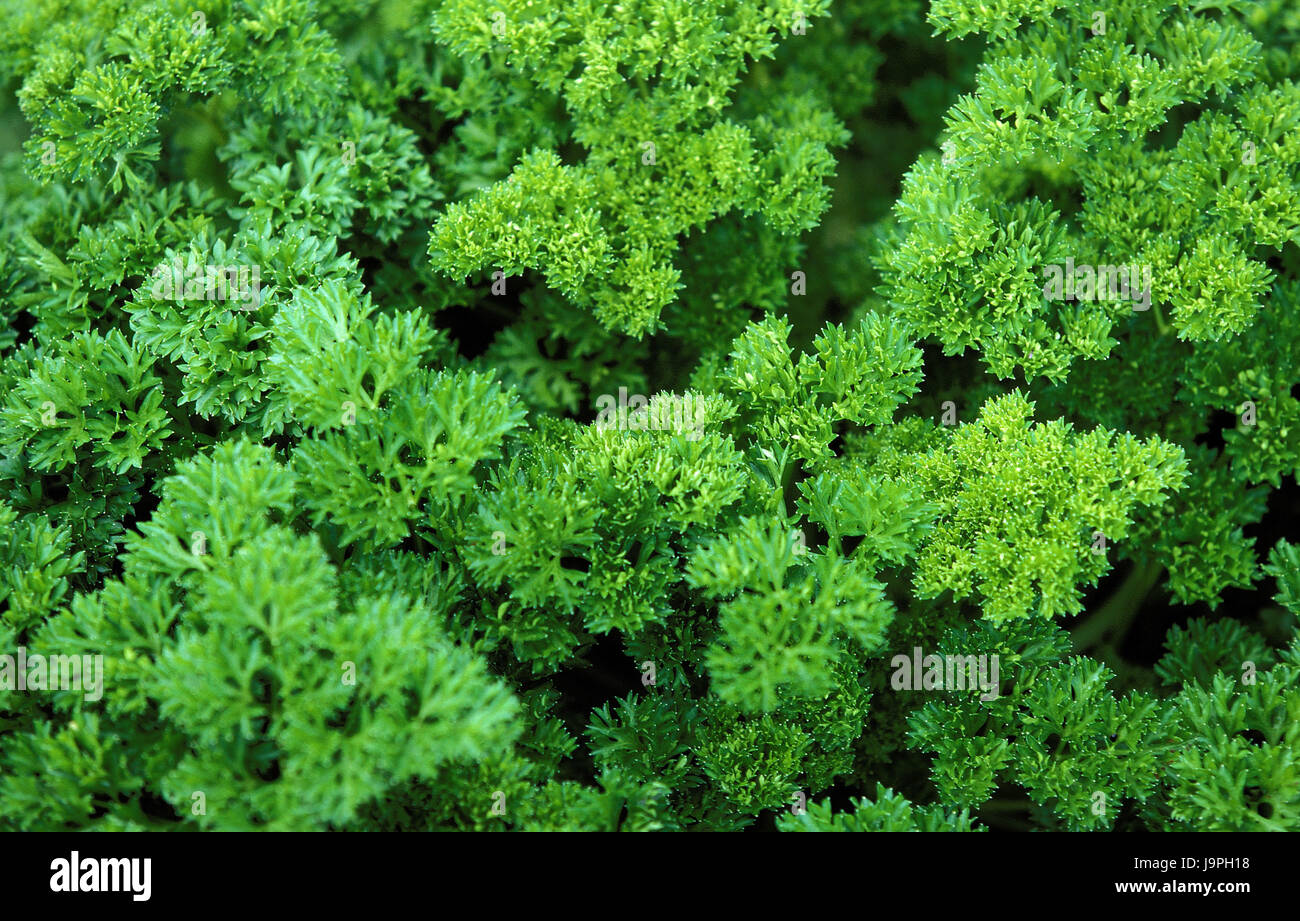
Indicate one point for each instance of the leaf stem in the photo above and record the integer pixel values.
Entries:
(1112, 620)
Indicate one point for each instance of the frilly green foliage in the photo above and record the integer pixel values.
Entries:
(599, 432)
(658, 157)
(889, 812)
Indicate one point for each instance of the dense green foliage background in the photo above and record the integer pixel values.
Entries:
(364, 551)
